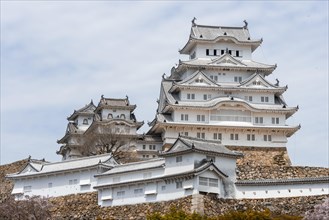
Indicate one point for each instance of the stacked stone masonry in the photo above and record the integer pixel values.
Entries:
(279, 172)
(262, 156)
(84, 206)
(6, 185)
(296, 206)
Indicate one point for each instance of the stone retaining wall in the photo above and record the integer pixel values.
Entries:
(84, 206)
(279, 172)
(6, 185)
(262, 156)
(296, 206)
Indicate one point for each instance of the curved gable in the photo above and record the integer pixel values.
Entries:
(30, 168)
(257, 81)
(179, 145)
(198, 78)
(226, 60)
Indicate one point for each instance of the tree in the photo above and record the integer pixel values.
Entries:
(106, 138)
(32, 208)
(320, 212)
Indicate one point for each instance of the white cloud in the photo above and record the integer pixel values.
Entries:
(56, 56)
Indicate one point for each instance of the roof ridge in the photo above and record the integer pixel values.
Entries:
(86, 106)
(123, 99)
(199, 139)
(215, 26)
(141, 162)
(81, 158)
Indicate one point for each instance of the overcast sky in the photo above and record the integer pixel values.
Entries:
(56, 56)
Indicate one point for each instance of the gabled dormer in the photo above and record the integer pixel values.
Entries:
(86, 111)
(33, 166)
(226, 60)
(29, 168)
(198, 78)
(83, 117)
(189, 153)
(71, 130)
(258, 81)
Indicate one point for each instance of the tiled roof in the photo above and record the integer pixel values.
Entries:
(114, 104)
(239, 35)
(267, 83)
(172, 102)
(71, 129)
(178, 173)
(196, 144)
(129, 167)
(214, 102)
(68, 165)
(37, 166)
(86, 110)
(150, 138)
(166, 85)
(195, 75)
(207, 32)
(165, 120)
(211, 85)
(306, 180)
(210, 63)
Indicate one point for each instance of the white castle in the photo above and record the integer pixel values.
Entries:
(221, 94)
(216, 102)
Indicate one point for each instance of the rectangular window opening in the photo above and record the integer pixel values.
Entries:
(179, 159)
(179, 185)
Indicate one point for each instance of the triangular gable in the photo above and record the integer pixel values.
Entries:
(71, 128)
(88, 108)
(198, 78)
(179, 145)
(29, 168)
(214, 169)
(226, 60)
(110, 161)
(257, 80)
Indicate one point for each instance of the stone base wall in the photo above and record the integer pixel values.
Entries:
(262, 156)
(279, 172)
(6, 185)
(84, 206)
(296, 206)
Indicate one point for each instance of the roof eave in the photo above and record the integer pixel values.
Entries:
(264, 70)
(168, 154)
(192, 41)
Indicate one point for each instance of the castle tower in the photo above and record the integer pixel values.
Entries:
(97, 130)
(78, 122)
(222, 94)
